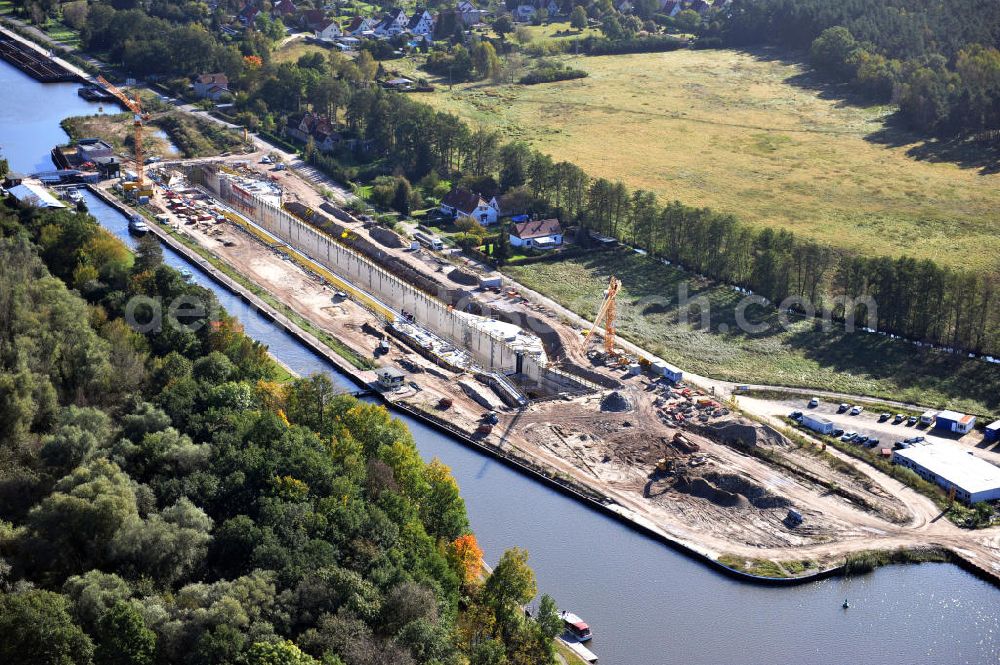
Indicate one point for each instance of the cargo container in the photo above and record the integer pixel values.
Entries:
(992, 432)
(952, 421)
(817, 423)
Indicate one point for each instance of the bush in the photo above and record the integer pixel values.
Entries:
(551, 74)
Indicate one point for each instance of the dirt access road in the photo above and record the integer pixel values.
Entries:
(725, 500)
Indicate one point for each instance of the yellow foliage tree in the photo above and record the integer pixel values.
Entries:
(469, 556)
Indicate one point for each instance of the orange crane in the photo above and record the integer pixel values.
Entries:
(133, 104)
(607, 312)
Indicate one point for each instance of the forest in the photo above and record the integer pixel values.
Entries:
(163, 499)
(939, 61)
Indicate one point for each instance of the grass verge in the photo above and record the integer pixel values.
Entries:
(767, 568)
(800, 354)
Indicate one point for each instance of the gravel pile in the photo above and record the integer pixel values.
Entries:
(616, 402)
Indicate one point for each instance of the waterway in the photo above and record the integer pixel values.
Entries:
(647, 604)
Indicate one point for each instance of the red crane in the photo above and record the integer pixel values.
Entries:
(133, 104)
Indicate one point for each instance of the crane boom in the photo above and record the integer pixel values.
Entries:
(133, 104)
(607, 312)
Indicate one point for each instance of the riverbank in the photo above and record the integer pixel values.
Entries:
(549, 476)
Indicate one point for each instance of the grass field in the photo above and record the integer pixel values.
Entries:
(292, 50)
(800, 355)
(728, 130)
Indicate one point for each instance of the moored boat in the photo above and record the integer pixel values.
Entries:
(576, 626)
(137, 226)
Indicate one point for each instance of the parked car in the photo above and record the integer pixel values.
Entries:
(265, 160)
(882, 417)
(913, 439)
(795, 415)
(912, 420)
(861, 439)
(848, 436)
(898, 419)
(856, 410)
(814, 402)
(837, 432)
(872, 443)
(842, 408)
(899, 445)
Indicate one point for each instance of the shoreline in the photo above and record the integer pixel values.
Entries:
(602, 505)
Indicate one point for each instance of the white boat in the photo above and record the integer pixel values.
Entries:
(73, 194)
(137, 226)
(187, 275)
(576, 626)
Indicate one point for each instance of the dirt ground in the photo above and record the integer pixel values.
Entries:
(724, 498)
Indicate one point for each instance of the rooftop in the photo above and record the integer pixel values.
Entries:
(35, 195)
(958, 467)
(954, 416)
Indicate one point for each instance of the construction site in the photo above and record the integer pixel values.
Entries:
(458, 345)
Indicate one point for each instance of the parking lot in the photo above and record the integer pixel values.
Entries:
(867, 423)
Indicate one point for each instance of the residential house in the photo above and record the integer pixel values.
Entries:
(305, 126)
(461, 202)
(393, 24)
(398, 84)
(211, 86)
(421, 23)
(538, 234)
(330, 32)
(671, 7)
(359, 26)
(509, 206)
(469, 14)
(552, 8)
(313, 20)
(700, 6)
(524, 13)
(283, 9)
(248, 14)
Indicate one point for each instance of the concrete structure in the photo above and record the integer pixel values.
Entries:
(950, 467)
(489, 349)
(90, 150)
(817, 423)
(34, 195)
(389, 377)
(952, 421)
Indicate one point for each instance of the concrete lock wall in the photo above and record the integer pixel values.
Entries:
(428, 312)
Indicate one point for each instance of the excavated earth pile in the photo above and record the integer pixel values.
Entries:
(616, 402)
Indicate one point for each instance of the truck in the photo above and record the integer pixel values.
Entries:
(428, 241)
(817, 423)
(685, 444)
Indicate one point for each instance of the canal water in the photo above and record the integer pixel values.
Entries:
(647, 604)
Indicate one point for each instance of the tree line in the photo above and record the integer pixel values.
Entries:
(939, 61)
(165, 498)
(917, 299)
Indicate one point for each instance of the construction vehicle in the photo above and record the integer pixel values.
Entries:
(133, 104)
(685, 444)
(607, 313)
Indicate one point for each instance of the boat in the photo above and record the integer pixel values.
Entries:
(187, 275)
(846, 604)
(137, 226)
(576, 626)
